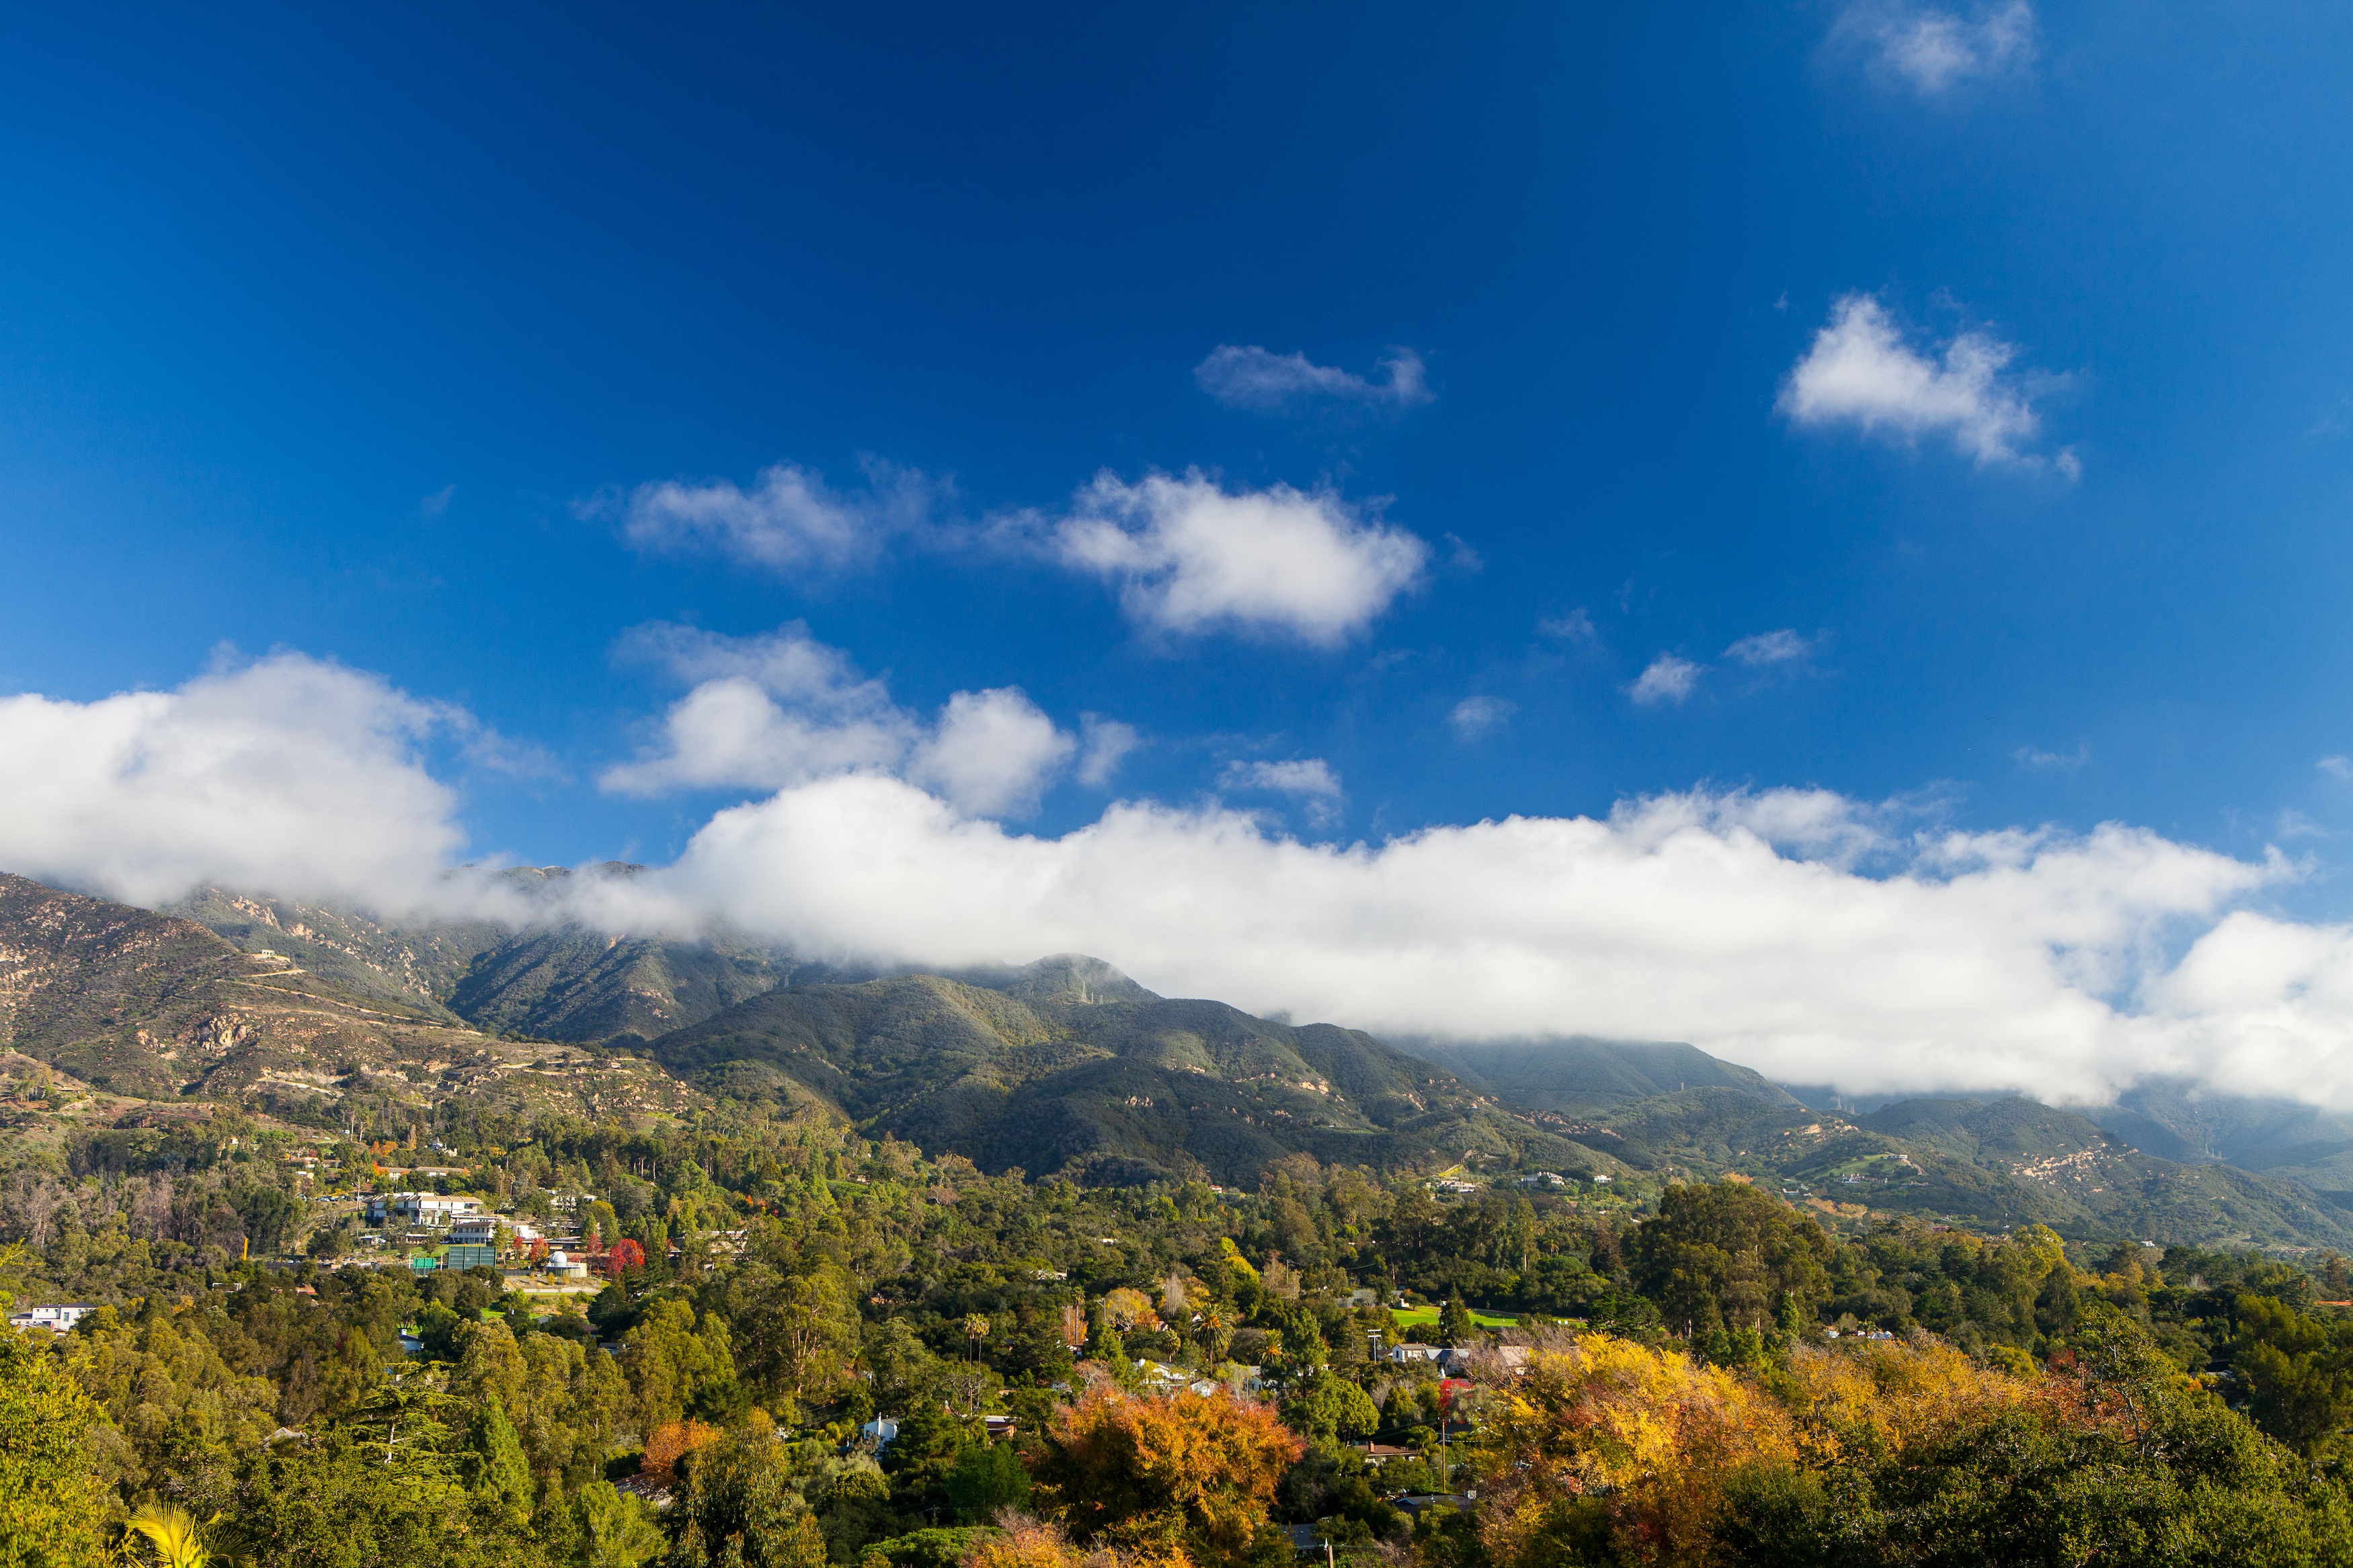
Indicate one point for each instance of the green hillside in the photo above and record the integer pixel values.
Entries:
(554, 981)
(1067, 1065)
(1991, 1166)
(1581, 1073)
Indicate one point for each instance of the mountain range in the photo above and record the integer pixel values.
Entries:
(1066, 1066)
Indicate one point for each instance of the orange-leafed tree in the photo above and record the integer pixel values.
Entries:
(1021, 1542)
(1129, 1310)
(672, 1441)
(1183, 1481)
(626, 1255)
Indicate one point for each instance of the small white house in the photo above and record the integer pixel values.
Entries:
(57, 1320)
(881, 1430)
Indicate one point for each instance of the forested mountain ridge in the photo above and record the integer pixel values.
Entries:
(1582, 1073)
(146, 1006)
(1061, 1066)
(1067, 1064)
(553, 979)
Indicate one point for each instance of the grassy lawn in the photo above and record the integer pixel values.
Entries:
(1428, 1316)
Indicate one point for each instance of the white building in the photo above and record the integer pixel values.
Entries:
(429, 1209)
(57, 1320)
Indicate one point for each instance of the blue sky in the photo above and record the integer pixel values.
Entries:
(373, 341)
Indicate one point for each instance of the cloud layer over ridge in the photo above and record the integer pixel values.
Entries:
(1803, 933)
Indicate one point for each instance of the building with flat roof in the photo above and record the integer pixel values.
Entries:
(57, 1320)
(420, 1209)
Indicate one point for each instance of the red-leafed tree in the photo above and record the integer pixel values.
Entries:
(625, 1255)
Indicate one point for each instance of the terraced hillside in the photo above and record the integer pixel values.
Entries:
(551, 980)
(158, 1007)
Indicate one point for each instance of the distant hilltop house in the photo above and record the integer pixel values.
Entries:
(57, 1320)
(420, 1209)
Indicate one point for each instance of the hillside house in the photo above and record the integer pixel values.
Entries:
(420, 1210)
(57, 1320)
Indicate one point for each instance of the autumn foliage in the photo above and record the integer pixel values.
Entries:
(672, 1441)
(1183, 1481)
(1021, 1542)
(626, 1255)
(1607, 1450)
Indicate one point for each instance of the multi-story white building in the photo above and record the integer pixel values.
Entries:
(422, 1209)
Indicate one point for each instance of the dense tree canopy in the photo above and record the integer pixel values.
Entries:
(1185, 1370)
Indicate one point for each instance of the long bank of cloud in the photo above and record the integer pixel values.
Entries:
(1805, 934)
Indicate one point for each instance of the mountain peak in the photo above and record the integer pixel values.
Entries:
(1062, 977)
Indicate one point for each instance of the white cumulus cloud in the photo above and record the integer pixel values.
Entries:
(1931, 50)
(1666, 679)
(1987, 960)
(992, 753)
(1190, 557)
(1103, 744)
(790, 517)
(1861, 372)
(1267, 383)
(771, 712)
(1811, 936)
(289, 773)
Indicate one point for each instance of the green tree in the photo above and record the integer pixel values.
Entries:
(929, 1444)
(270, 1216)
(987, 1477)
(2299, 1374)
(166, 1387)
(670, 1359)
(1723, 1255)
(1455, 1325)
(52, 1504)
(741, 1508)
(1329, 1406)
(615, 1530)
(336, 1502)
(495, 1470)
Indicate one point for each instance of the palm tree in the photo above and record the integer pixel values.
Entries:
(173, 1533)
(975, 1328)
(1217, 1335)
